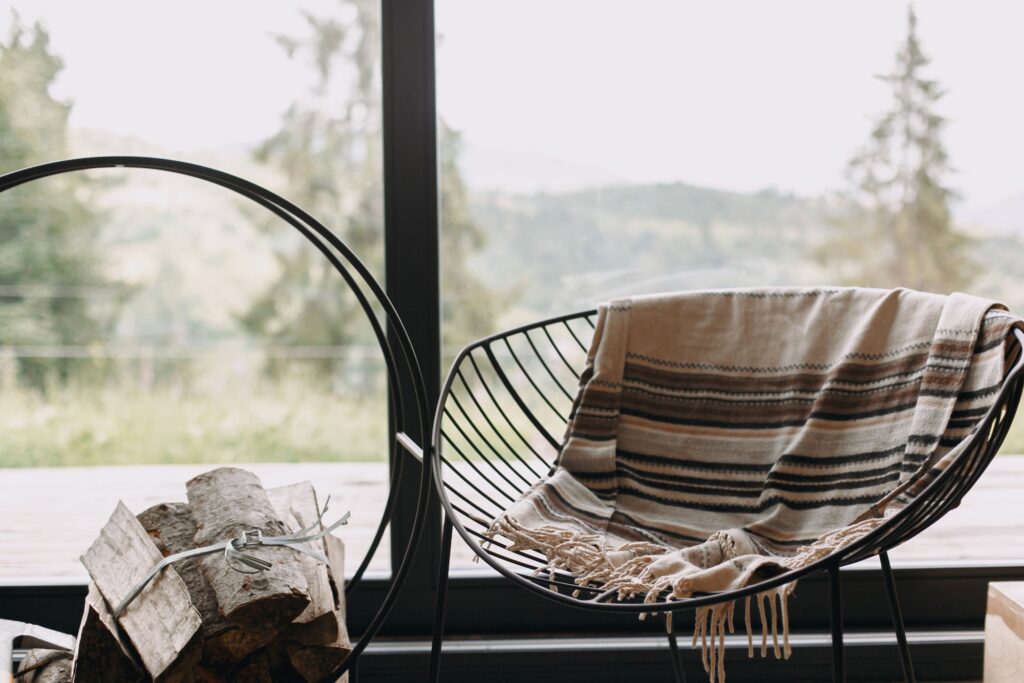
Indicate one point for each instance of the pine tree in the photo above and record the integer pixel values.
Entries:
(893, 225)
(328, 150)
(470, 307)
(49, 252)
(328, 153)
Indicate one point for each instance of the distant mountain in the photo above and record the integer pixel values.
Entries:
(197, 256)
(567, 250)
(192, 251)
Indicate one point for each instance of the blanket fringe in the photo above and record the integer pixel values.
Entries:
(586, 557)
(710, 624)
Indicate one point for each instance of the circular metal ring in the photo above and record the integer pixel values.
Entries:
(402, 365)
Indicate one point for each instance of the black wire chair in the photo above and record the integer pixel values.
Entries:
(405, 380)
(498, 428)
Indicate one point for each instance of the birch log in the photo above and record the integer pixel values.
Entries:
(315, 661)
(161, 622)
(296, 505)
(173, 530)
(225, 502)
(45, 666)
(101, 656)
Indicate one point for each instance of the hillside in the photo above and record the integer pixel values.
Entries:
(564, 251)
(197, 258)
(191, 251)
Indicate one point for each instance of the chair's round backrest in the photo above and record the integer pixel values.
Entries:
(502, 418)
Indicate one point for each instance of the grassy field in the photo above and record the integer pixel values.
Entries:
(288, 422)
(280, 423)
(1014, 443)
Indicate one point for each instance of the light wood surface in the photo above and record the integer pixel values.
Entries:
(1004, 633)
(42, 535)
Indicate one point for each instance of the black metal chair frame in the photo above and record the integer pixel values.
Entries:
(470, 501)
(405, 378)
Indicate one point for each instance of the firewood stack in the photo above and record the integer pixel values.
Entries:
(200, 619)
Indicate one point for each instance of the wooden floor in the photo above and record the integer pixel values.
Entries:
(49, 516)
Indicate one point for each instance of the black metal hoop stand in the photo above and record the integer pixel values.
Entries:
(402, 365)
(469, 501)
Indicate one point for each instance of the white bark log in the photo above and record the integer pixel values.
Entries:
(225, 502)
(161, 623)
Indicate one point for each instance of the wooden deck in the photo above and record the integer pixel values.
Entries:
(49, 516)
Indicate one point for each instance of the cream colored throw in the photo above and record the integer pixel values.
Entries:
(722, 437)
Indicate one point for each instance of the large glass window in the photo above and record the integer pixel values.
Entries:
(154, 325)
(601, 149)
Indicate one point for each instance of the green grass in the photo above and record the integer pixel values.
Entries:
(288, 422)
(1014, 444)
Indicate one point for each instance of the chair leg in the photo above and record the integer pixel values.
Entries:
(439, 607)
(838, 667)
(677, 661)
(353, 672)
(897, 618)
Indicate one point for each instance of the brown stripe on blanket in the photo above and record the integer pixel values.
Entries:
(783, 410)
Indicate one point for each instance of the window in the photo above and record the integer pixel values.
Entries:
(563, 141)
(665, 146)
(155, 325)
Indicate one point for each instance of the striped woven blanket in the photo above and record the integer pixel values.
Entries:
(723, 437)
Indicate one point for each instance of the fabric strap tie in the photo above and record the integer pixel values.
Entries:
(234, 555)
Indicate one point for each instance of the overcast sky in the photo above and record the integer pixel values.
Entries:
(733, 94)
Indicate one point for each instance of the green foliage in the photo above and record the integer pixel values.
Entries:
(121, 424)
(470, 305)
(893, 227)
(328, 151)
(48, 235)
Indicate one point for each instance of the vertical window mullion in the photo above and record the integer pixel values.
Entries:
(411, 239)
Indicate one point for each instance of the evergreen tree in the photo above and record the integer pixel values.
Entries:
(49, 257)
(328, 151)
(469, 305)
(893, 225)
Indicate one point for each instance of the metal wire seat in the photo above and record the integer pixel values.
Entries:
(499, 425)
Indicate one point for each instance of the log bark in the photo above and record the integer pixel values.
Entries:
(101, 655)
(336, 554)
(173, 530)
(315, 661)
(161, 623)
(45, 666)
(225, 502)
(296, 505)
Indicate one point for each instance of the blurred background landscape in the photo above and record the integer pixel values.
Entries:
(154, 319)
